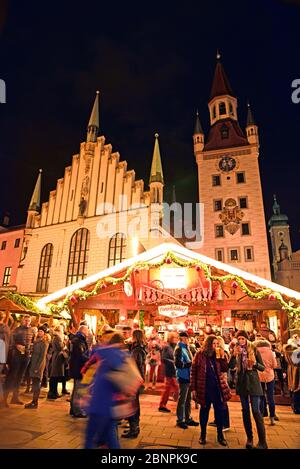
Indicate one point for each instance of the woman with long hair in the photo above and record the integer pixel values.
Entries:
(247, 360)
(209, 386)
(138, 352)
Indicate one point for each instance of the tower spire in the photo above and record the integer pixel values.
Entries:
(156, 167)
(93, 125)
(35, 203)
(220, 85)
(198, 126)
(250, 118)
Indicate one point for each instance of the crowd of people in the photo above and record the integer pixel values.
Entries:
(201, 368)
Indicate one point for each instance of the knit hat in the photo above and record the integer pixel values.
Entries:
(42, 328)
(242, 334)
(183, 334)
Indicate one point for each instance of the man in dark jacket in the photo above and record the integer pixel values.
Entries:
(168, 360)
(19, 359)
(183, 363)
(79, 354)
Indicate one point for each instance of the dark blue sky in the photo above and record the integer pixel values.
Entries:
(153, 64)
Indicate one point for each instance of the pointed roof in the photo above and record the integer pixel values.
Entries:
(250, 118)
(93, 125)
(198, 126)
(35, 203)
(278, 218)
(155, 255)
(220, 85)
(236, 137)
(156, 167)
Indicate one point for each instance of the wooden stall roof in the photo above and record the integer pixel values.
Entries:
(158, 253)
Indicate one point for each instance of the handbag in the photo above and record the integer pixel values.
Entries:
(127, 378)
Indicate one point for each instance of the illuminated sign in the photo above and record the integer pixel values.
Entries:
(173, 277)
(173, 311)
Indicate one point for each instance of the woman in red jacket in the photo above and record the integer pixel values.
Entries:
(209, 386)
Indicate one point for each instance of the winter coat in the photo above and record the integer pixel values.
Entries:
(5, 335)
(293, 371)
(198, 377)
(153, 356)
(248, 383)
(139, 354)
(104, 391)
(79, 355)
(168, 360)
(57, 369)
(269, 360)
(38, 358)
(183, 362)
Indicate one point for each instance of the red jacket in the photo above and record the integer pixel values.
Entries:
(198, 377)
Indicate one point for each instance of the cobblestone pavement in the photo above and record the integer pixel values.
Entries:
(50, 426)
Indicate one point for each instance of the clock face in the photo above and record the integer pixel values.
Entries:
(227, 164)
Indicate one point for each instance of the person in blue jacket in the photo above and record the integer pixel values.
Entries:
(101, 423)
(183, 363)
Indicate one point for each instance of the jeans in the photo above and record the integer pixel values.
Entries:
(101, 429)
(255, 404)
(154, 374)
(184, 402)
(134, 420)
(75, 400)
(36, 387)
(296, 402)
(171, 385)
(204, 414)
(269, 388)
(17, 368)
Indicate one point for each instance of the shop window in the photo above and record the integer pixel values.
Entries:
(44, 269)
(78, 256)
(117, 249)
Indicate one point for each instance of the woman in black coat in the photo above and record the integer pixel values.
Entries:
(58, 360)
(247, 360)
(138, 352)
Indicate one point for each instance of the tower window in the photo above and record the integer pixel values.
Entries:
(3, 245)
(249, 254)
(240, 178)
(234, 255)
(217, 205)
(243, 202)
(17, 242)
(224, 131)
(6, 276)
(214, 112)
(219, 230)
(222, 108)
(216, 180)
(220, 255)
(245, 229)
(230, 109)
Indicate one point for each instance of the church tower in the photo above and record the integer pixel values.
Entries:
(280, 236)
(229, 183)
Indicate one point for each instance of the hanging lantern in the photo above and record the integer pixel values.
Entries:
(198, 268)
(168, 260)
(73, 300)
(272, 297)
(234, 284)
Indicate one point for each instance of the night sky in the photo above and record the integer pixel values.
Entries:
(153, 63)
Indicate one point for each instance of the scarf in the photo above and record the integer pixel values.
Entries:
(244, 356)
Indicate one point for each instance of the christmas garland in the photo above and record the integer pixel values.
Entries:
(23, 301)
(80, 295)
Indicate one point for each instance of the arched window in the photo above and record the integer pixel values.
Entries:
(117, 249)
(78, 256)
(44, 269)
(222, 108)
(214, 112)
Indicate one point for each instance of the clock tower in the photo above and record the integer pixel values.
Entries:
(229, 183)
